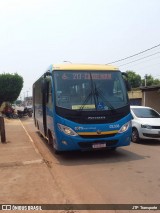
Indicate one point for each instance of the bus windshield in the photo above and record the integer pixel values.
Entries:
(90, 90)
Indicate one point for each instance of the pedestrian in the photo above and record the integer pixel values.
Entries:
(8, 110)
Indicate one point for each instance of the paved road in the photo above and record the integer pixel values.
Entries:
(130, 175)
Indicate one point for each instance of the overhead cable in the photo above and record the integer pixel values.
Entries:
(139, 59)
(134, 54)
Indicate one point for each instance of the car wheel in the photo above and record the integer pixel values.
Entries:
(135, 136)
(15, 116)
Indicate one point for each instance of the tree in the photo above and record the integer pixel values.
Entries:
(134, 79)
(10, 87)
(156, 82)
(150, 81)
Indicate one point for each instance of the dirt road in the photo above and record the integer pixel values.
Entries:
(130, 175)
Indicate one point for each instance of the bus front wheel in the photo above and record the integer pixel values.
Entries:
(51, 142)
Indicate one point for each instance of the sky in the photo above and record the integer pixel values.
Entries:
(37, 33)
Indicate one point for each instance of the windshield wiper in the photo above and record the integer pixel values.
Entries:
(99, 93)
(95, 93)
(91, 94)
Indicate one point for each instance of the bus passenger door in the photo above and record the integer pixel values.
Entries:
(44, 101)
(47, 105)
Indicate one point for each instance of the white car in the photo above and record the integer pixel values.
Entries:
(145, 123)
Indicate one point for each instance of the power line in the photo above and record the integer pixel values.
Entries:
(139, 59)
(145, 66)
(134, 54)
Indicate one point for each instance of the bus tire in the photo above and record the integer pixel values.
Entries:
(37, 125)
(50, 138)
(40, 134)
(51, 142)
(57, 152)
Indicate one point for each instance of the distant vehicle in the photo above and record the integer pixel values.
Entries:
(82, 107)
(17, 107)
(13, 106)
(29, 106)
(145, 123)
(27, 111)
(9, 111)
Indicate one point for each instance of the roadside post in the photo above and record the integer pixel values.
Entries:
(2, 130)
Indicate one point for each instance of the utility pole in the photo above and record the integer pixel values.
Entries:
(145, 84)
(145, 80)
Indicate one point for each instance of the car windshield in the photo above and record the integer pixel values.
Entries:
(145, 113)
(90, 90)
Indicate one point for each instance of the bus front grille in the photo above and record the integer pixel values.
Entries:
(97, 136)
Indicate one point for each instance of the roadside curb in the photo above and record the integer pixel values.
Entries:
(23, 163)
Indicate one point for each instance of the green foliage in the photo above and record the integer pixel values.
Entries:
(134, 79)
(10, 87)
(150, 81)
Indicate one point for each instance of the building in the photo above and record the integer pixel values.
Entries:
(135, 97)
(28, 101)
(151, 97)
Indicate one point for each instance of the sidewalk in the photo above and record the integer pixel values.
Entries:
(24, 177)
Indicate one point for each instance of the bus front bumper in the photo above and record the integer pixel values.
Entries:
(68, 143)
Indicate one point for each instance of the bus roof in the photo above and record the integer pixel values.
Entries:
(83, 67)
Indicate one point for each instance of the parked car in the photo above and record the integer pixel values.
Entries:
(145, 123)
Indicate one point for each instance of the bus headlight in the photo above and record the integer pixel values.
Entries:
(67, 130)
(125, 127)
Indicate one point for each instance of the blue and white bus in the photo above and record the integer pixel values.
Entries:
(82, 107)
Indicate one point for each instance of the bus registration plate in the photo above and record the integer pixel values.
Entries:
(98, 145)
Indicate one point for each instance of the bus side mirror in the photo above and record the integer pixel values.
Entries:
(127, 83)
(43, 86)
(47, 74)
